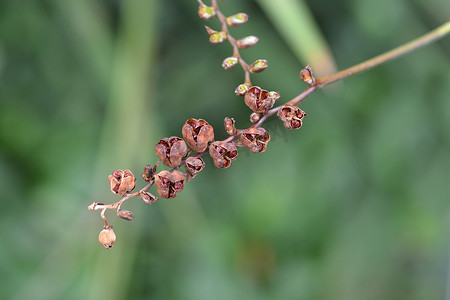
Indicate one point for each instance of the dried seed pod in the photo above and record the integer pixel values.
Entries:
(125, 214)
(307, 76)
(230, 62)
(107, 237)
(193, 166)
(149, 172)
(147, 198)
(247, 42)
(230, 128)
(254, 117)
(241, 89)
(197, 133)
(169, 184)
(121, 182)
(255, 139)
(258, 100)
(205, 12)
(258, 66)
(223, 153)
(237, 19)
(291, 116)
(171, 151)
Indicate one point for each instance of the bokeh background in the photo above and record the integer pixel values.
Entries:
(355, 205)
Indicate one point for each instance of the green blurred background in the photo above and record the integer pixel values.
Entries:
(355, 205)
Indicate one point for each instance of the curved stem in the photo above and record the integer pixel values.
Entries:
(426, 39)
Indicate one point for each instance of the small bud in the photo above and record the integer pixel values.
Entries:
(230, 128)
(255, 139)
(255, 117)
(193, 166)
(171, 151)
(258, 66)
(223, 154)
(241, 89)
(237, 19)
(197, 133)
(169, 184)
(121, 182)
(247, 42)
(291, 116)
(307, 76)
(125, 214)
(258, 100)
(274, 95)
(147, 198)
(230, 62)
(107, 237)
(205, 12)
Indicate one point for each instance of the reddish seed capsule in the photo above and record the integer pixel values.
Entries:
(292, 116)
(197, 133)
(255, 139)
(147, 198)
(171, 151)
(193, 166)
(169, 184)
(121, 182)
(222, 153)
(259, 100)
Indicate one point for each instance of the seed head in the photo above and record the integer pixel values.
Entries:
(258, 100)
(121, 182)
(193, 166)
(255, 139)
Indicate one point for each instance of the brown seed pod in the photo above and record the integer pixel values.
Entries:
(193, 166)
(222, 153)
(171, 151)
(292, 116)
(254, 117)
(121, 182)
(229, 126)
(147, 198)
(255, 139)
(107, 237)
(259, 100)
(125, 214)
(169, 184)
(307, 76)
(198, 133)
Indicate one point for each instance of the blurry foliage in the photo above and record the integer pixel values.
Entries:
(352, 206)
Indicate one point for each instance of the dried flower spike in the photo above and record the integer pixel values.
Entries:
(197, 133)
(247, 42)
(171, 151)
(169, 184)
(255, 139)
(121, 182)
(258, 66)
(223, 153)
(237, 19)
(291, 116)
(107, 237)
(193, 166)
(230, 62)
(307, 76)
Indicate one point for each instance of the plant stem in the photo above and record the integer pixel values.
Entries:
(426, 39)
